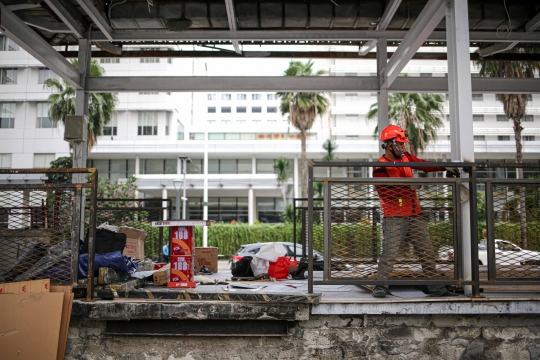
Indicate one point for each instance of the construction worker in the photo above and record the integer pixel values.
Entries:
(402, 213)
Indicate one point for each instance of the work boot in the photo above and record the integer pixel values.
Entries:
(204, 270)
(379, 291)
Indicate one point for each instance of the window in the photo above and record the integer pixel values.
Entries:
(244, 166)
(479, 138)
(169, 60)
(241, 109)
(477, 97)
(528, 118)
(147, 123)
(426, 74)
(265, 166)
(351, 97)
(149, 60)
(195, 166)
(211, 109)
(225, 96)
(43, 161)
(211, 96)
(45, 74)
(528, 138)
(352, 137)
(270, 96)
(110, 128)
(351, 117)
(159, 166)
(6, 44)
(216, 136)
(225, 109)
(211, 121)
(256, 97)
(229, 166)
(110, 61)
(7, 115)
(168, 123)
(196, 136)
(8, 76)
(5, 161)
(269, 208)
(43, 120)
(502, 118)
(179, 130)
(256, 109)
(241, 96)
(503, 138)
(478, 117)
(225, 209)
(271, 109)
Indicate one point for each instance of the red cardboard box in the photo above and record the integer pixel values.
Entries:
(206, 256)
(182, 240)
(181, 268)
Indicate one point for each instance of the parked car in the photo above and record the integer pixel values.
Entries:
(252, 249)
(506, 253)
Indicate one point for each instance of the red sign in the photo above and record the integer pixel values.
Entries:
(183, 241)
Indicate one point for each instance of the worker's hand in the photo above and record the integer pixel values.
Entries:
(452, 172)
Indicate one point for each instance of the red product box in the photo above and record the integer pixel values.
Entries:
(181, 268)
(183, 242)
(159, 266)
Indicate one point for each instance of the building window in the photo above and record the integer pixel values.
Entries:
(6, 44)
(241, 96)
(271, 109)
(45, 74)
(8, 76)
(110, 128)
(351, 97)
(211, 96)
(229, 166)
(528, 138)
(265, 166)
(216, 136)
(503, 138)
(478, 117)
(149, 60)
(256, 96)
(256, 109)
(109, 61)
(241, 109)
(479, 138)
(225, 109)
(270, 96)
(351, 117)
(159, 166)
(195, 166)
(7, 115)
(43, 161)
(169, 60)
(502, 118)
(5, 161)
(179, 130)
(477, 97)
(43, 120)
(196, 136)
(426, 75)
(168, 123)
(223, 209)
(269, 208)
(225, 96)
(211, 109)
(528, 118)
(211, 121)
(147, 123)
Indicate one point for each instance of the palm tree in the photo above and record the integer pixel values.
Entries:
(281, 168)
(330, 147)
(303, 108)
(416, 113)
(100, 108)
(515, 106)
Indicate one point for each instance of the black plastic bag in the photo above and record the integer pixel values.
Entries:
(107, 241)
(242, 268)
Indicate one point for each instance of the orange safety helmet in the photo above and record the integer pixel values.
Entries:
(394, 132)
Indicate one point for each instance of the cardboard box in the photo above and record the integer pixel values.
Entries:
(207, 256)
(181, 268)
(23, 287)
(161, 276)
(66, 317)
(135, 242)
(182, 240)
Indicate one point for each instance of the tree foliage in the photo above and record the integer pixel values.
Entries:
(281, 169)
(63, 162)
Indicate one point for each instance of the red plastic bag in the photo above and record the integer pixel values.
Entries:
(280, 268)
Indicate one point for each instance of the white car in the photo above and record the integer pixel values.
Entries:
(506, 253)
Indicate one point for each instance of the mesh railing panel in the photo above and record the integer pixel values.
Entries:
(408, 243)
(516, 223)
(35, 234)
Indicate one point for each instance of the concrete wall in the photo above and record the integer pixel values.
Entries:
(331, 337)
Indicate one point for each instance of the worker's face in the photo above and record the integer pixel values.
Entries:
(400, 145)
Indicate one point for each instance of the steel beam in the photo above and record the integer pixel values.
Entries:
(110, 48)
(68, 16)
(385, 19)
(54, 27)
(29, 40)
(533, 24)
(96, 17)
(318, 83)
(300, 35)
(231, 16)
(429, 18)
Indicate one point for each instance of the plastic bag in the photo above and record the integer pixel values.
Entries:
(114, 260)
(259, 266)
(261, 260)
(279, 269)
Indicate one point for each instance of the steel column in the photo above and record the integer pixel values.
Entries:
(382, 94)
(327, 221)
(310, 228)
(474, 232)
(490, 236)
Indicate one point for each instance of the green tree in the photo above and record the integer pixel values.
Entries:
(303, 108)
(281, 169)
(100, 108)
(419, 114)
(515, 107)
(330, 147)
(63, 162)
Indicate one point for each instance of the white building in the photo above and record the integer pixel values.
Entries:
(240, 133)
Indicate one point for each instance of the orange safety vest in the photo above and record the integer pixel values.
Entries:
(398, 200)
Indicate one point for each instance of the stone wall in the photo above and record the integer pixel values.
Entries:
(331, 337)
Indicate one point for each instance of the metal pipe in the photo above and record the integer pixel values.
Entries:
(474, 233)
(490, 236)
(92, 236)
(327, 221)
(310, 227)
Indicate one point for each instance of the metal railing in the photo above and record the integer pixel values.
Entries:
(41, 215)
